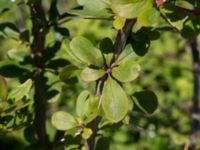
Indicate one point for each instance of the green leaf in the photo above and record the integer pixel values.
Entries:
(127, 54)
(93, 8)
(126, 72)
(87, 132)
(141, 41)
(90, 74)
(72, 58)
(106, 45)
(67, 74)
(53, 11)
(119, 22)
(11, 69)
(8, 29)
(129, 8)
(51, 51)
(83, 96)
(3, 88)
(114, 101)
(63, 121)
(20, 91)
(57, 63)
(84, 50)
(145, 101)
(146, 19)
(87, 106)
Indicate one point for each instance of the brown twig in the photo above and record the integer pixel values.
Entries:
(38, 45)
(119, 45)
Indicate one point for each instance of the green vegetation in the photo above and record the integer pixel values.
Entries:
(99, 74)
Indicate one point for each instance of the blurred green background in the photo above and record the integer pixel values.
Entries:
(166, 69)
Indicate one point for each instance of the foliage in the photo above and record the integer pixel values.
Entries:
(83, 76)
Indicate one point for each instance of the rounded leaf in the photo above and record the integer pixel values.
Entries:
(67, 74)
(145, 101)
(63, 121)
(90, 74)
(84, 50)
(126, 72)
(87, 106)
(114, 101)
(87, 132)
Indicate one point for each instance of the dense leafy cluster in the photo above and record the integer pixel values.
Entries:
(51, 61)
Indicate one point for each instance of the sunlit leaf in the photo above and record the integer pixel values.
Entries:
(87, 132)
(126, 72)
(63, 121)
(129, 8)
(90, 74)
(114, 101)
(84, 50)
(87, 106)
(20, 91)
(3, 88)
(119, 22)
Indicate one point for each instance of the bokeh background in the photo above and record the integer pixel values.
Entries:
(166, 69)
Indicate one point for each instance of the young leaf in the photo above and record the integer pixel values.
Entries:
(84, 50)
(63, 121)
(145, 101)
(90, 74)
(87, 132)
(20, 91)
(87, 106)
(3, 88)
(83, 96)
(126, 72)
(114, 101)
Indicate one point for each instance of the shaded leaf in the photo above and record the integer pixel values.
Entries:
(67, 74)
(57, 63)
(145, 101)
(7, 67)
(53, 11)
(106, 45)
(51, 51)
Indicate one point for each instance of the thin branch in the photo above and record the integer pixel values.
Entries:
(38, 45)
(195, 58)
(119, 45)
(195, 11)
